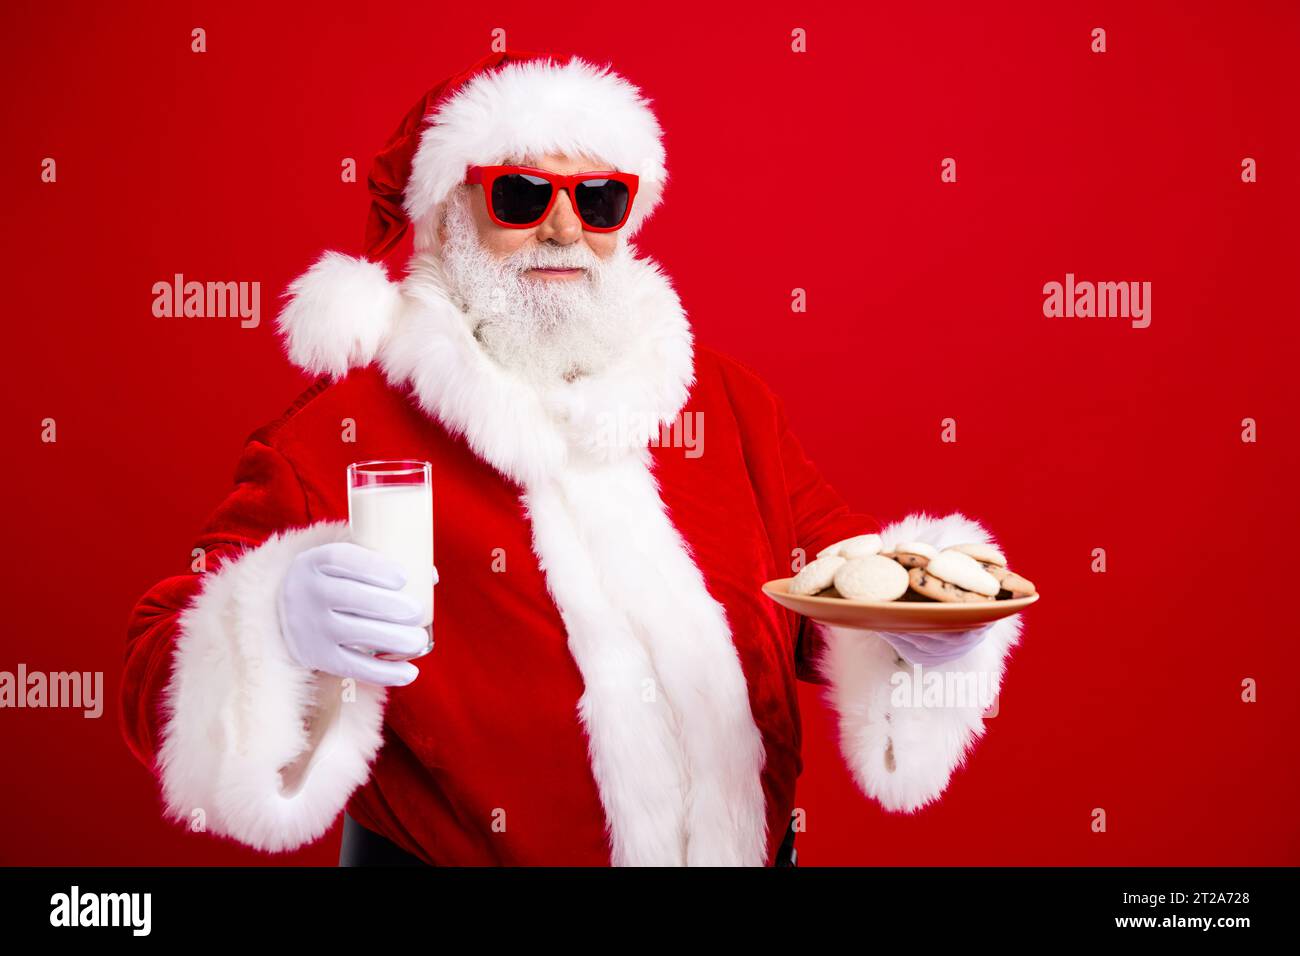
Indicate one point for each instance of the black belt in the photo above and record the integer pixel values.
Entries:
(364, 847)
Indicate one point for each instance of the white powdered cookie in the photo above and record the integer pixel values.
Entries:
(856, 547)
(871, 578)
(984, 553)
(961, 569)
(937, 589)
(918, 548)
(913, 554)
(915, 549)
(816, 575)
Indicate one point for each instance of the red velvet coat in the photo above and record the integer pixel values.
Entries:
(600, 690)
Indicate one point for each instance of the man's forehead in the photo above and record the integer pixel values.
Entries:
(540, 162)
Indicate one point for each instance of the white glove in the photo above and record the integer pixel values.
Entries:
(934, 647)
(342, 594)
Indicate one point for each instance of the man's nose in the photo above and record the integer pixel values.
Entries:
(563, 224)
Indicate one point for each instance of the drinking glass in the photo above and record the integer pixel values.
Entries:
(390, 510)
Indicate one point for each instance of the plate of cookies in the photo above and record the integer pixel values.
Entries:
(912, 586)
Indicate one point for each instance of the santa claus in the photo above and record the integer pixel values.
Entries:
(609, 684)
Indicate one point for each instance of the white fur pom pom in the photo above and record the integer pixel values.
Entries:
(338, 314)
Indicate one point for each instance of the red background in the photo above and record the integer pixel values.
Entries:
(924, 302)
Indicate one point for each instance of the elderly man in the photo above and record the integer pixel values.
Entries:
(608, 683)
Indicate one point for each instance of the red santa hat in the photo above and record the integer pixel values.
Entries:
(509, 103)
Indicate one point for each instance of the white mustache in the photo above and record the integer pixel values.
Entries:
(540, 258)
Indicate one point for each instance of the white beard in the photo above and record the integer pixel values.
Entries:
(548, 332)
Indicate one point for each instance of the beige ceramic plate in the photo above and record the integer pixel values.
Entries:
(902, 615)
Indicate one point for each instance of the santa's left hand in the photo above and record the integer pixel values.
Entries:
(929, 648)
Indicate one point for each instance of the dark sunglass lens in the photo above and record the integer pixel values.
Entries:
(518, 198)
(602, 203)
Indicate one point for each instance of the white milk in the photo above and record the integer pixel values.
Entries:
(397, 521)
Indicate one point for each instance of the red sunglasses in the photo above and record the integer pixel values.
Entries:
(519, 197)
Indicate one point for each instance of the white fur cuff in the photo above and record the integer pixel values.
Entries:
(256, 747)
(904, 729)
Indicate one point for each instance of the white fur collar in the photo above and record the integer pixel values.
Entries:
(345, 313)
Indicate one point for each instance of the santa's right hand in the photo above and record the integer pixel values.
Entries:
(340, 596)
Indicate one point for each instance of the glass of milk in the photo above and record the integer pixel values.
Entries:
(390, 510)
